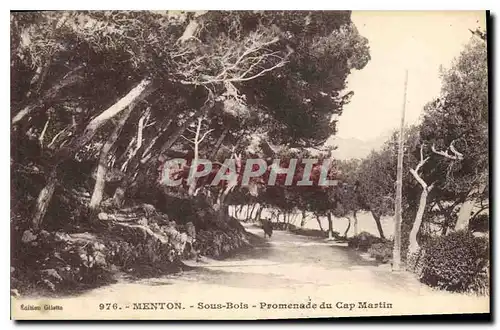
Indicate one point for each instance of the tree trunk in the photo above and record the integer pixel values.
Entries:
(258, 214)
(330, 226)
(447, 212)
(249, 214)
(190, 31)
(319, 223)
(379, 224)
(237, 211)
(355, 216)
(218, 144)
(137, 93)
(102, 168)
(192, 185)
(222, 207)
(43, 200)
(465, 212)
(180, 130)
(254, 215)
(303, 220)
(413, 246)
(348, 226)
(247, 211)
(69, 79)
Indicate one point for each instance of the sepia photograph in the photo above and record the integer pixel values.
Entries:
(249, 165)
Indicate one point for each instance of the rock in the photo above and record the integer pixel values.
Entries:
(49, 284)
(28, 236)
(12, 269)
(103, 216)
(52, 273)
(14, 292)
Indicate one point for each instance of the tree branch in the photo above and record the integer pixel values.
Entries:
(40, 139)
(455, 156)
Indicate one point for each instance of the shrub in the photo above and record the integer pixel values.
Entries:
(382, 252)
(363, 241)
(480, 224)
(457, 262)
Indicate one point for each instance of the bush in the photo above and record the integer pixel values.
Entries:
(382, 252)
(480, 224)
(363, 241)
(457, 262)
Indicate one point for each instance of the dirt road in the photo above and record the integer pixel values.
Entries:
(285, 276)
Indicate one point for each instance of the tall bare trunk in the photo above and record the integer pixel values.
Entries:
(396, 251)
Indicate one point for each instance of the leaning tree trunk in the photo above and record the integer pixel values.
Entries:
(414, 252)
(413, 246)
(102, 168)
(140, 91)
(319, 223)
(348, 227)
(376, 216)
(330, 226)
(218, 144)
(71, 78)
(43, 200)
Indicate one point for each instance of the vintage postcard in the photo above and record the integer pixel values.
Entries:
(245, 165)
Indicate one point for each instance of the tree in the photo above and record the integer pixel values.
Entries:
(376, 175)
(414, 247)
(137, 81)
(456, 125)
